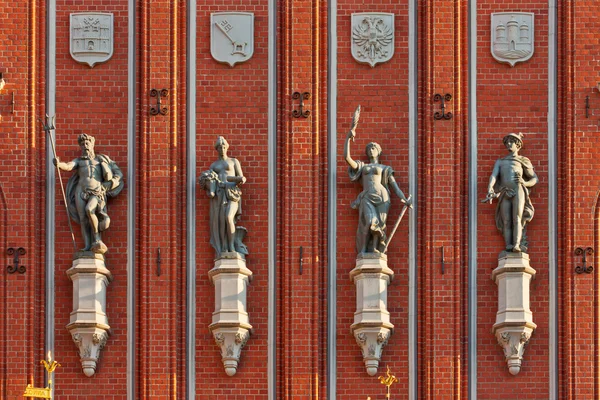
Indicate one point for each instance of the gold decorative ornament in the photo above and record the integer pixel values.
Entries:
(43, 393)
(388, 381)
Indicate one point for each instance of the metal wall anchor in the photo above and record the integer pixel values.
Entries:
(587, 106)
(443, 99)
(580, 269)
(19, 251)
(159, 108)
(301, 112)
(158, 262)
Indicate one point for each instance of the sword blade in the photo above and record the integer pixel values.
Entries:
(387, 243)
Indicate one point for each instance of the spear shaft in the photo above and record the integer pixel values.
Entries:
(48, 128)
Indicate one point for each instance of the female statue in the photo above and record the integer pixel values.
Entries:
(374, 201)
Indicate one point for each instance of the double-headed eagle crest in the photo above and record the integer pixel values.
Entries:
(372, 37)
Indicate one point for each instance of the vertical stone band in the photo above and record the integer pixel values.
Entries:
(50, 176)
(472, 274)
(413, 129)
(331, 198)
(190, 310)
(272, 202)
(552, 203)
(131, 117)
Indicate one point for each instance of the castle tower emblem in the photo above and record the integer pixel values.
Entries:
(512, 37)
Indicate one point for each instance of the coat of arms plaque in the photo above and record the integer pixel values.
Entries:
(512, 37)
(372, 37)
(231, 36)
(91, 37)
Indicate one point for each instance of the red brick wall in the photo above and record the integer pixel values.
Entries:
(382, 92)
(578, 199)
(512, 100)
(301, 197)
(232, 102)
(22, 194)
(93, 101)
(160, 202)
(442, 230)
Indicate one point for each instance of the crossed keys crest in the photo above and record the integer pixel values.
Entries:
(232, 37)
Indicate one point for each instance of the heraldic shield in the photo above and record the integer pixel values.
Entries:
(512, 37)
(231, 36)
(91, 37)
(372, 37)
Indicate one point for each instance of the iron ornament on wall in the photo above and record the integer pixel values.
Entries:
(442, 99)
(159, 108)
(301, 112)
(584, 268)
(16, 267)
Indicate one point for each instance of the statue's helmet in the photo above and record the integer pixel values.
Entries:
(221, 141)
(517, 136)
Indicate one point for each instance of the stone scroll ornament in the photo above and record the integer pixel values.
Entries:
(372, 37)
(512, 178)
(512, 37)
(230, 322)
(96, 178)
(371, 275)
(91, 40)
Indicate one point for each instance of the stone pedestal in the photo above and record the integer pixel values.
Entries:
(514, 320)
(371, 327)
(230, 323)
(88, 323)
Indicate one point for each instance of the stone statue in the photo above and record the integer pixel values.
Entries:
(97, 178)
(222, 184)
(374, 201)
(511, 179)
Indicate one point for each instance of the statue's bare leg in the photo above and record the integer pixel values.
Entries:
(90, 211)
(518, 208)
(231, 209)
(85, 225)
(223, 227)
(506, 213)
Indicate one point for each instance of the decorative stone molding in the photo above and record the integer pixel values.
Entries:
(371, 327)
(514, 320)
(230, 323)
(89, 324)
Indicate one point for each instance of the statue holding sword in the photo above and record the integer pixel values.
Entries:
(374, 201)
(510, 182)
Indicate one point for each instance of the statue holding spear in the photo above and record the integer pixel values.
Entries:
(374, 201)
(97, 177)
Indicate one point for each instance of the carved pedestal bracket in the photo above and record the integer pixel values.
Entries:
(89, 324)
(514, 320)
(230, 323)
(371, 327)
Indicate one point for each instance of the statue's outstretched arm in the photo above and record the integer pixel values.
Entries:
(398, 191)
(65, 166)
(347, 156)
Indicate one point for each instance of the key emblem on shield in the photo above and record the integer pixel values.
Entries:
(232, 37)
